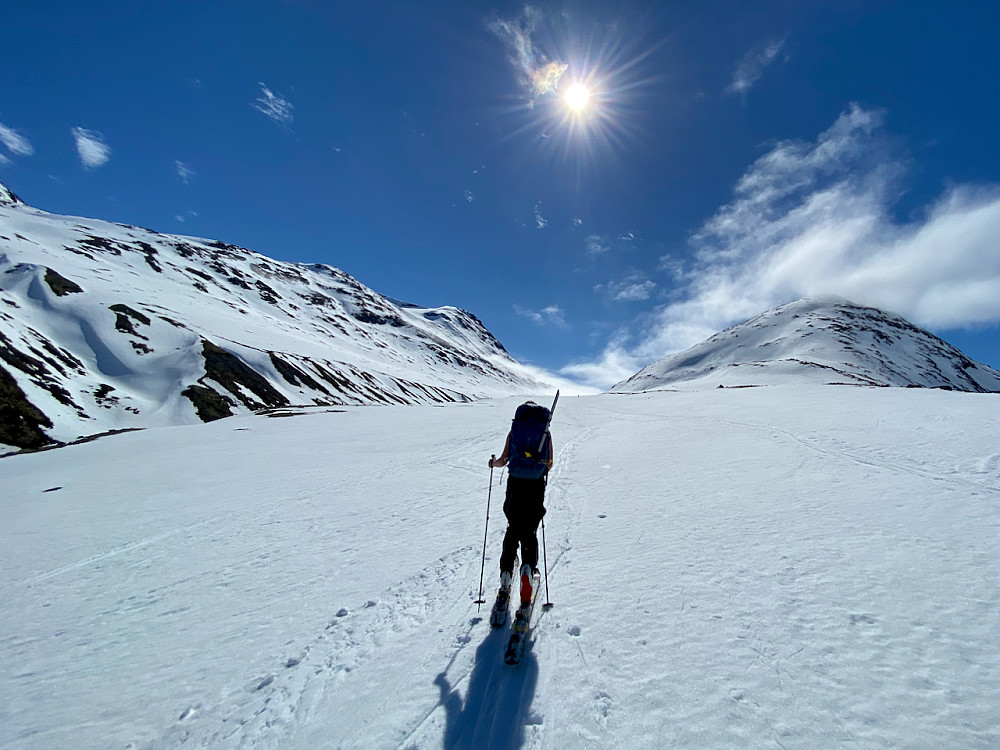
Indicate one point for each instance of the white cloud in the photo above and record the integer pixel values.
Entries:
(469, 197)
(536, 73)
(16, 143)
(817, 218)
(4, 160)
(555, 315)
(614, 365)
(569, 387)
(597, 245)
(184, 172)
(631, 291)
(551, 315)
(751, 67)
(274, 106)
(90, 145)
(540, 221)
(635, 287)
(673, 266)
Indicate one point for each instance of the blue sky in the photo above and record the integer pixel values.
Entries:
(731, 156)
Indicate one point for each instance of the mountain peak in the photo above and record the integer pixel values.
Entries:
(826, 340)
(108, 326)
(7, 197)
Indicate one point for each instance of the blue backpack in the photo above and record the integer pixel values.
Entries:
(530, 448)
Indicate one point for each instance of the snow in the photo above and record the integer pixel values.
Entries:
(123, 344)
(792, 566)
(819, 340)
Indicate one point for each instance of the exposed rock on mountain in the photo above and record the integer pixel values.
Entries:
(106, 326)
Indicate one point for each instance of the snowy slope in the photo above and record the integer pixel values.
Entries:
(795, 567)
(821, 340)
(105, 326)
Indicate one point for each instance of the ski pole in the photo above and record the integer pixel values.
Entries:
(489, 496)
(545, 559)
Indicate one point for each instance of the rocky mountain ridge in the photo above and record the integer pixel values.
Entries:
(107, 326)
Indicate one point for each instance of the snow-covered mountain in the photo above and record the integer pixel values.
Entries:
(819, 340)
(107, 326)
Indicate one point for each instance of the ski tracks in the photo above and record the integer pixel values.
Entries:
(412, 639)
(978, 474)
(331, 691)
(556, 644)
(485, 703)
(122, 549)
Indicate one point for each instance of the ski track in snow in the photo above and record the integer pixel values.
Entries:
(791, 568)
(130, 547)
(282, 702)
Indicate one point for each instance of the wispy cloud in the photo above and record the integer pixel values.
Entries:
(92, 149)
(551, 315)
(635, 287)
(540, 221)
(596, 245)
(16, 143)
(615, 364)
(632, 291)
(184, 172)
(469, 196)
(275, 106)
(599, 244)
(814, 218)
(536, 73)
(751, 66)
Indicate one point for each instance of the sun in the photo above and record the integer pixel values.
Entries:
(577, 97)
(582, 101)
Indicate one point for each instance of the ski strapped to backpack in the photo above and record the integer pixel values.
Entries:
(530, 452)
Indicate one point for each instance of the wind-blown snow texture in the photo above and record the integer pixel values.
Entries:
(821, 340)
(795, 566)
(105, 326)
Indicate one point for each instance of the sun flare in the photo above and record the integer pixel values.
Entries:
(580, 101)
(577, 97)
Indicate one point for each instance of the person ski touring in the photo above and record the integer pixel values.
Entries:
(527, 454)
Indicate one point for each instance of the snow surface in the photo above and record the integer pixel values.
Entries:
(793, 567)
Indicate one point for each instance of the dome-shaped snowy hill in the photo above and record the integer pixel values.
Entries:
(106, 326)
(822, 340)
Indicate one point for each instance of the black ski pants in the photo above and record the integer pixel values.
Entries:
(524, 507)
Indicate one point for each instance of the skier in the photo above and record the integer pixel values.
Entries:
(528, 455)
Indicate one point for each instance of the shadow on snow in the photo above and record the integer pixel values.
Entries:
(497, 707)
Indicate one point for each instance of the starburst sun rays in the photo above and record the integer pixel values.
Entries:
(578, 100)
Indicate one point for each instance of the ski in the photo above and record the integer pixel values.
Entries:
(522, 626)
(548, 424)
(498, 615)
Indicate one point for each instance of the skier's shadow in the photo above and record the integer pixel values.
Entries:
(496, 710)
